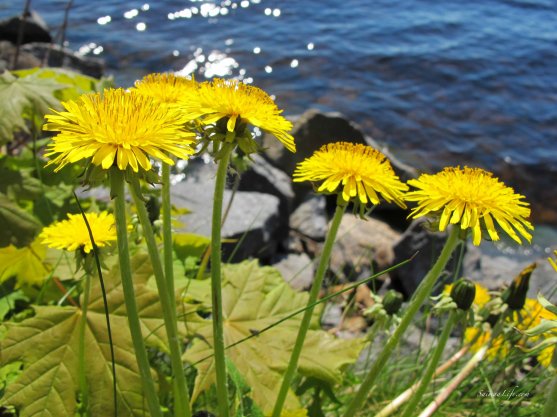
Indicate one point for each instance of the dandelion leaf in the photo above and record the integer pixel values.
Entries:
(255, 297)
(48, 344)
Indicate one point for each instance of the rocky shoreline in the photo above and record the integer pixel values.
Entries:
(283, 223)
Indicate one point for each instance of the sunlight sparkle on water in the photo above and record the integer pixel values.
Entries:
(104, 20)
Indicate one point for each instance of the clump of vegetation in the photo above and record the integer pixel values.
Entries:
(105, 311)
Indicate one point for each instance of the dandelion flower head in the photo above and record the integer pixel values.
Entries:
(237, 101)
(117, 127)
(498, 349)
(360, 171)
(166, 87)
(72, 234)
(471, 197)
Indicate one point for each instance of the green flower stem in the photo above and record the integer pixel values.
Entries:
(167, 230)
(82, 327)
(216, 282)
(422, 292)
(117, 191)
(431, 366)
(168, 302)
(550, 408)
(304, 325)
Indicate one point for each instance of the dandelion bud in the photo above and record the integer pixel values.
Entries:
(392, 301)
(515, 295)
(463, 293)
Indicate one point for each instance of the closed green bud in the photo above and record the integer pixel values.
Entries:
(463, 293)
(392, 302)
(515, 295)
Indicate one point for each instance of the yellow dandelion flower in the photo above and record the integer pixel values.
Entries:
(165, 87)
(117, 127)
(482, 295)
(499, 346)
(466, 196)
(545, 356)
(72, 234)
(361, 171)
(236, 101)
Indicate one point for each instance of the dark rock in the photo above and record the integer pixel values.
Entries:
(314, 129)
(428, 245)
(252, 221)
(362, 247)
(296, 269)
(34, 29)
(310, 218)
(65, 58)
(265, 178)
(24, 59)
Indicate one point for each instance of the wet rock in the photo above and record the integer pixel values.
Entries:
(34, 29)
(428, 246)
(310, 218)
(265, 178)
(297, 269)
(65, 58)
(362, 247)
(252, 222)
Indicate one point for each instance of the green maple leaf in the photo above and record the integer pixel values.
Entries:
(48, 345)
(253, 298)
(28, 97)
(25, 264)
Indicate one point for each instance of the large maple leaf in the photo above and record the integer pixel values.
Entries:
(255, 297)
(48, 345)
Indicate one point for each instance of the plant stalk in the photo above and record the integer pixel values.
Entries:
(550, 408)
(430, 370)
(402, 398)
(306, 319)
(167, 230)
(117, 191)
(422, 292)
(168, 302)
(82, 327)
(216, 282)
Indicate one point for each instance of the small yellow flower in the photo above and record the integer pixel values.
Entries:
(545, 356)
(165, 87)
(117, 127)
(499, 346)
(482, 295)
(72, 234)
(361, 171)
(466, 196)
(236, 101)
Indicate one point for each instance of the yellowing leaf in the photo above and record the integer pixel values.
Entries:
(26, 264)
(48, 345)
(253, 298)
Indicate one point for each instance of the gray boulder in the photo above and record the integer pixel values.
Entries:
(428, 245)
(362, 248)
(310, 218)
(251, 225)
(264, 178)
(297, 269)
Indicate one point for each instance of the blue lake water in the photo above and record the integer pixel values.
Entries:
(440, 82)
